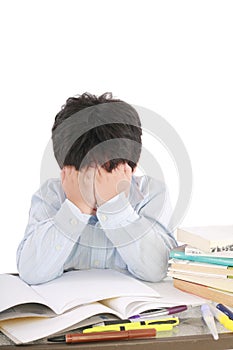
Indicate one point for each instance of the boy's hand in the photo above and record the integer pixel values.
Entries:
(79, 187)
(108, 185)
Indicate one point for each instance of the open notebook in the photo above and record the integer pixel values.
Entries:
(77, 299)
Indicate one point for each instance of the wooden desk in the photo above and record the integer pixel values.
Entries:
(195, 342)
(191, 334)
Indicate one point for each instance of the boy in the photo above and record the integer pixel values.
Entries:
(99, 214)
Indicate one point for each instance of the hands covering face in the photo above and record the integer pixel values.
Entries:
(93, 185)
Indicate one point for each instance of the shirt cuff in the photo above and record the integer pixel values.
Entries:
(77, 212)
(117, 212)
(68, 223)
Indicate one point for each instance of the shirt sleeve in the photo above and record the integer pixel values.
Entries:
(141, 235)
(77, 212)
(50, 235)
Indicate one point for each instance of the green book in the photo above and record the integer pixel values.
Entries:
(179, 253)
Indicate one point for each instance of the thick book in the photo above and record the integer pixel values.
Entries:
(193, 267)
(217, 282)
(207, 238)
(179, 253)
(203, 291)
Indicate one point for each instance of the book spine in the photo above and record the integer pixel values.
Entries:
(218, 254)
(225, 248)
(204, 292)
(223, 284)
(193, 267)
(172, 270)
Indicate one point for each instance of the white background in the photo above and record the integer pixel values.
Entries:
(173, 57)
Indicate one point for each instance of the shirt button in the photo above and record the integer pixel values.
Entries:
(73, 221)
(104, 217)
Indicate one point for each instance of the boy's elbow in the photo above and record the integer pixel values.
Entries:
(33, 275)
(153, 269)
(33, 279)
(158, 275)
(30, 277)
(150, 274)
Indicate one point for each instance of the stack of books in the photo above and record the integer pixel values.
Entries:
(204, 264)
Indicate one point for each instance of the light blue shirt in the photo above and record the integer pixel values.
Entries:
(127, 233)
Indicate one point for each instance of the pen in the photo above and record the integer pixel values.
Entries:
(222, 318)
(225, 310)
(150, 311)
(168, 311)
(104, 336)
(209, 320)
(159, 325)
(108, 322)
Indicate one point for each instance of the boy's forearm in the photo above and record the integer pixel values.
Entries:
(140, 238)
(47, 244)
(144, 248)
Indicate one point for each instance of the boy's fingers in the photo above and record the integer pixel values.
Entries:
(99, 171)
(67, 170)
(62, 175)
(73, 170)
(121, 168)
(90, 173)
(128, 170)
(127, 167)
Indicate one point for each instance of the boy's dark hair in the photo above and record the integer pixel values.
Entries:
(98, 134)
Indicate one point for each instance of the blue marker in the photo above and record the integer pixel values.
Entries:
(225, 310)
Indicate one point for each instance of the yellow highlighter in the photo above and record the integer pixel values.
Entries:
(159, 324)
(222, 318)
